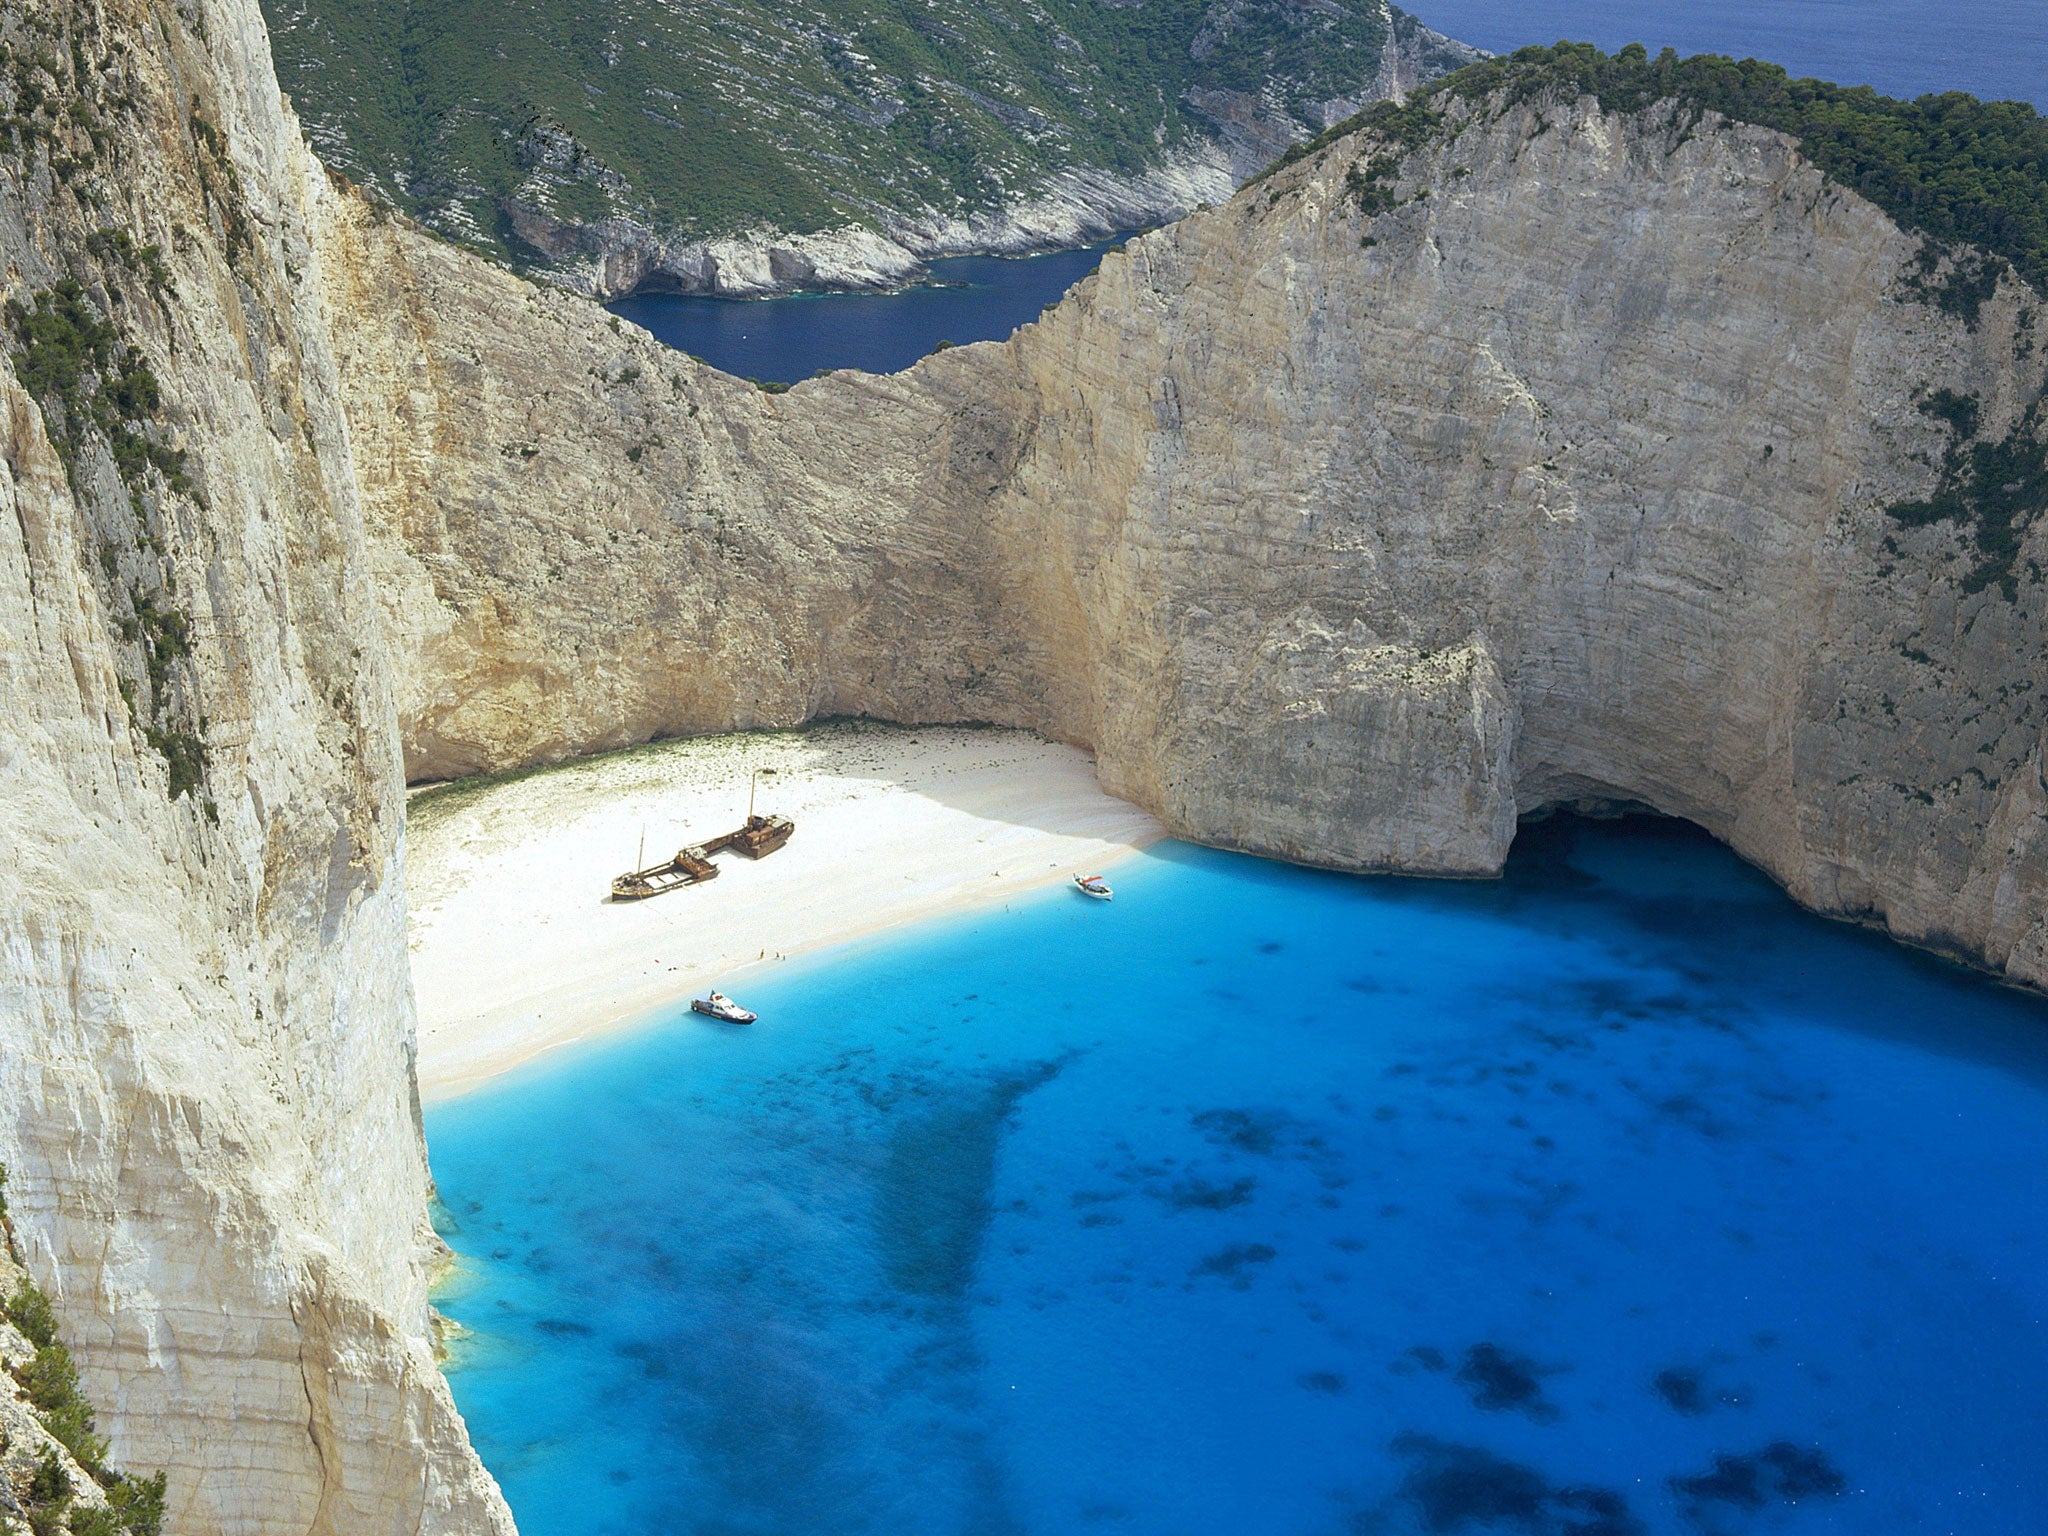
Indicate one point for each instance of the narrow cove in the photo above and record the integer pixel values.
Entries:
(786, 340)
(1618, 1196)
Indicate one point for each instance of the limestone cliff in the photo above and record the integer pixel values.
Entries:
(205, 1020)
(1406, 495)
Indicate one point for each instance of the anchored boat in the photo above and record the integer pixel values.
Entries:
(719, 1006)
(1093, 885)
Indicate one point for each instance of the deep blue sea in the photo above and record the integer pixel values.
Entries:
(969, 298)
(1997, 49)
(1614, 1197)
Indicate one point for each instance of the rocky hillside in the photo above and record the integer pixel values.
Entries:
(1506, 451)
(745, 147)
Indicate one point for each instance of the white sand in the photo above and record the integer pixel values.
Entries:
(516, 948)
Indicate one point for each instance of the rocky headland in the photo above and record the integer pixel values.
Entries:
(1241, 133)
(747, 149)
(1523, 447)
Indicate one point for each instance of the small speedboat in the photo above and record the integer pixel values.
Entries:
(719, 1006)
(1093, 885)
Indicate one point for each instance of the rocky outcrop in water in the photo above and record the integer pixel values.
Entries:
(1401, 498)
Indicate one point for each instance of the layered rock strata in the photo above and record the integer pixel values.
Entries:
(1344, 537)
(206, 1102)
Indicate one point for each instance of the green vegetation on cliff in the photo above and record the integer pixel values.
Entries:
(77, 348)
(1970, 175)
(98, 395)
(1959, 170)
(713, 119)
(1995, 489)
(49, 1381)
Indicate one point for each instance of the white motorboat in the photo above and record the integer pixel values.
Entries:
(1093, 885)
(719, 1006)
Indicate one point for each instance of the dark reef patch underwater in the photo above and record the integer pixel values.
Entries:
(1615, 1198)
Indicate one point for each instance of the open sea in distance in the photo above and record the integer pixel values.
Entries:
(1996, 49)
(1618, 1197)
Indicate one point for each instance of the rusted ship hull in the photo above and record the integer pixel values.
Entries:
(761, 836)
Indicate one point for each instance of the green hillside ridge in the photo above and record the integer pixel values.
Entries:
(704, 121)
(1961, 171)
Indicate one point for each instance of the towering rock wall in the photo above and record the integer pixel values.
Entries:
(206, 1104)
(1346, 536)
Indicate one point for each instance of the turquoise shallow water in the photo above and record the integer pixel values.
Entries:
(1614, 1197)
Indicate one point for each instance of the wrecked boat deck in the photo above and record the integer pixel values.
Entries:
(761, 836)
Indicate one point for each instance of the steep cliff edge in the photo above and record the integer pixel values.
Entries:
(205, 1021)
(1551, 453)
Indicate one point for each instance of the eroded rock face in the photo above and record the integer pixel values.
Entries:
(1348, 539)
(206, 1105)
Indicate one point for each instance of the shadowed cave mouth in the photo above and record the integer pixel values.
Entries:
(1540, 860)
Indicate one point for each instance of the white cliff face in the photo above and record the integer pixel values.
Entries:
(1345, 539)
(1613, 412)
(206, 1102)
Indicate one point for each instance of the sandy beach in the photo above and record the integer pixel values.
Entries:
(517, 949)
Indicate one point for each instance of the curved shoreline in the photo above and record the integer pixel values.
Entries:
(516, 951)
